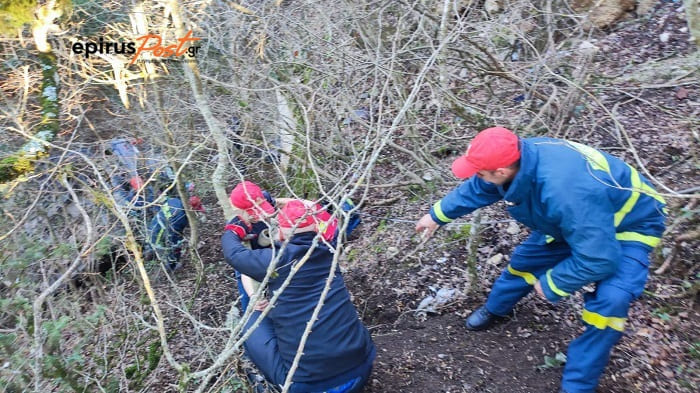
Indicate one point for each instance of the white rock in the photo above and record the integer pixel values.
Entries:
(492, 6)
(665, 36)
(587, 46)
(73, 210)
(513, 228)
(495, 260)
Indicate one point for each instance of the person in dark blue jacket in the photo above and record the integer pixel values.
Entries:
(594, 219)
(256, 206)
(338, 354)
(166, 231)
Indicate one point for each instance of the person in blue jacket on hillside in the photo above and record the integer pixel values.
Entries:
(594, 219)
(166, 231)
(254, 206)
(338, 353)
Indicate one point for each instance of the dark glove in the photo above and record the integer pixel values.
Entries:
(239, 227)
(269, 198)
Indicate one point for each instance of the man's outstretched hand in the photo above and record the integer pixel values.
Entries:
(427, 226)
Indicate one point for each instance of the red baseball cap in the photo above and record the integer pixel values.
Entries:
(244, 197)
(196, 203)
(492, 148)
(296, 213)
(136, 182)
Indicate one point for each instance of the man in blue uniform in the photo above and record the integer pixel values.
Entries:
(594, 219)
(166, 231)
(338, 353)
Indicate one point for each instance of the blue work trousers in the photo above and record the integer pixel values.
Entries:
(166, 236)
(261, 347)
(605, 309)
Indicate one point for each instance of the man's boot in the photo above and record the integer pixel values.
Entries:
(481, 319)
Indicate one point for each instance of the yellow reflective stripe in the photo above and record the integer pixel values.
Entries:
(595, 158)
(528, 277)
(652, 193)
(632, 200)
(439, 214)
(160, 235)
(597, 161)
(549, 239)
(601, 322)
(552, 286)
(651, 241)
(166, 210)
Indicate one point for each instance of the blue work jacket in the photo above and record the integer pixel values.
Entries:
(170, 222)
(569, 192)
(338, 342)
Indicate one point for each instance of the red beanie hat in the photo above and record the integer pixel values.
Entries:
(244, 197)
(297, 214)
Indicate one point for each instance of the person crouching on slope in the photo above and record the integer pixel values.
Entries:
(339, 352)
(255, 207)
(594, 219)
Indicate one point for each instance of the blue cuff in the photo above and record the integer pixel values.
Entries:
(434, 217)
(437, 215)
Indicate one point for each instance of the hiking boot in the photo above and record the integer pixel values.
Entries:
(481, 319)
(257, 383)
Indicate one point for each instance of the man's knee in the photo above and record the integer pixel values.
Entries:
(261, 329)
(261, 347)
(610, 297)
(607, 308)
(536, 259)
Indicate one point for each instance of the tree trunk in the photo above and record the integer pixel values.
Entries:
(692, 12)
(286, 130)
(22, 161)
(191, 69)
